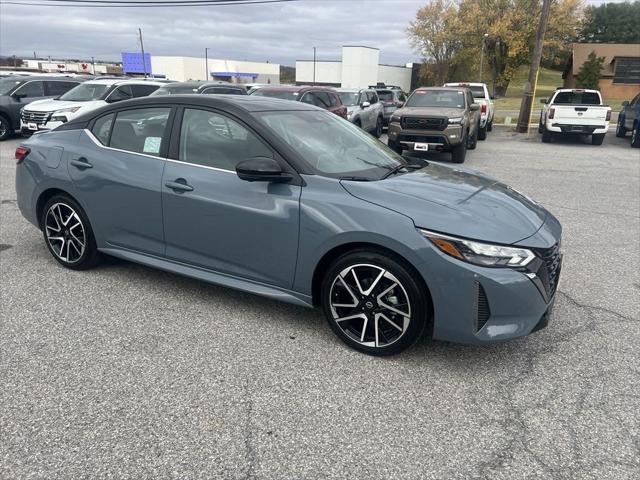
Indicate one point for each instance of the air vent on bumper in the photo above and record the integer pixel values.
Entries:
(481, 303)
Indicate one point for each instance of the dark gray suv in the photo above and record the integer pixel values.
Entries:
(18, 91)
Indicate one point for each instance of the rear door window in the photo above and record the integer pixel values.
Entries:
(123, 92)
(55, 88)
(143, 90)
(102, 128)
(140, 130)
(321, 99)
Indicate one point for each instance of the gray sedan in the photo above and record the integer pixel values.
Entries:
(364, 109)
(286, 200)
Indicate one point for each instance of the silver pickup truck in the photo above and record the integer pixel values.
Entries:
(574, 111)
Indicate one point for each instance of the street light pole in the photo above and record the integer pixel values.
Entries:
(93, 65)
(314, 65)
(484, 38)
(206, 64)
(144, 64)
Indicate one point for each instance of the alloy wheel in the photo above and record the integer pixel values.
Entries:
(4, 128)
(65, 233)
(370, 305)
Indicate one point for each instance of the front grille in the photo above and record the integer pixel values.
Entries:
(34, 117)
(422, 138)
(424, 123)
(549, 271)
(482, 312)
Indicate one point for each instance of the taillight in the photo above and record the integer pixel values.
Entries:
(21, 153)
(608, 115)
(552, 112)
(483, 108)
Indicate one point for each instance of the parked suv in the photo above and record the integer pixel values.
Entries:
(392, 99)
(202, 88)
(436, 118)
(364, 108)
(18, 91)
(480, 95)
(629, 121)
(86, 97)
(322, 97)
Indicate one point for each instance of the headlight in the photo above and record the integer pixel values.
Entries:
(456, 121)
(395, 118)
(67, 110)
(483, 254)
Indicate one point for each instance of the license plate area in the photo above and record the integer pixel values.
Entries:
(422, 147)
(32, 126)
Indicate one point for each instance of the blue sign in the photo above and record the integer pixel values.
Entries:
(132, 62)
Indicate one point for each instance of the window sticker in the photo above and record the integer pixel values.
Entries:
(152, 145)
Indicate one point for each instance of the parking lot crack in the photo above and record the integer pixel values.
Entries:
(572, 300)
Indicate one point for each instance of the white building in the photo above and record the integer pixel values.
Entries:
(183, 69)
(359, 67)
(69, 66)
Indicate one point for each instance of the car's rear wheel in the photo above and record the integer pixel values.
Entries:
(597, 139)
(490, 126)
(547, 136)
(459, 152)
(378, 131)
(635, 137)
(68, 234)
(620, 130)
(374, 303)
(5, 128)
(482, 133)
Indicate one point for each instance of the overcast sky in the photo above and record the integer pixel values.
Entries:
(278, 32)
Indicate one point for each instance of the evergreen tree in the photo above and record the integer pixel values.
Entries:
(589, 74)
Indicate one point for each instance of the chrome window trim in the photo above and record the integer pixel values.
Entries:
(172, 160)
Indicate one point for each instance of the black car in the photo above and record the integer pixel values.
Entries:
(203, 88)
(18, 91)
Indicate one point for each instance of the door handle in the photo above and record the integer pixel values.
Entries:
(180, 185)
(81, 163)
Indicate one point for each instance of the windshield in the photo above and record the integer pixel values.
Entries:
(332, 146)
(175, 90)
(8, 84)
(283, 94)
(385, 95)
(85, 92)
(349, 99)
(577, 98)
(436, 98)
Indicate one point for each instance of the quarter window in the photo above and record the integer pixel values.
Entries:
(102, 128)
(212, 140)
(31, 89)
(140, 130)
(123, 92)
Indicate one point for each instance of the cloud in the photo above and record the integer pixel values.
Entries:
(279, 33)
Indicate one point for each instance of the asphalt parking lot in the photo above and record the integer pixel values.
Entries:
(128, 372)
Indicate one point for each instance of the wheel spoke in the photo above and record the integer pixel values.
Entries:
(364, 328)
(351, 317)
(348, 288)
(391, 322)
(387, 306)
(73, 244)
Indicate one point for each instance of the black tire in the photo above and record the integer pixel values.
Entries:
(473, 141)
(396, 147)
(459, 152)
(621, 132)
(635, 136)
(547, 136)
(58, 213)
(357, 124)
(378, 131)
(5, 128)
(490, 126)
(343, 297)
(597, 139)
(481, 134)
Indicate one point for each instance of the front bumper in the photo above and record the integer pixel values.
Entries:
(440, 140)
(28, 128)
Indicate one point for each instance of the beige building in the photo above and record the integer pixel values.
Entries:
(621, 73)
(183, 69)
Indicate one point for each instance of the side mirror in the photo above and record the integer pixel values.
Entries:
(19, 96)
(474, 107)
(543, 101)
(625, 103)
(365, 104)
(262, 169)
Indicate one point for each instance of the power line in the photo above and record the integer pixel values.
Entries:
(141, 4)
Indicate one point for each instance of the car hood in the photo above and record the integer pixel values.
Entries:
(456, 201)
(431, 112)
(51, 105)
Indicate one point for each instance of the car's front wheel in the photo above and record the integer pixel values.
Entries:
(459, 152)
(635, 136)
(68, 234)
(378, 131)
(482, 133)
(374, 303)
(621, 132)
(5, 128)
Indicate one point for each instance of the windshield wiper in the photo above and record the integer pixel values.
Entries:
(397, 168)
(357, 179)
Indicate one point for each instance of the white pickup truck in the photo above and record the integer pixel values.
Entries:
(574, 111)
(482, 97)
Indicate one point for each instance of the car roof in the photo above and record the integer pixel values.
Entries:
(465, 84)
(297, 88)
(352, 90)
(61, 78)
(115, 81)
(448, 89)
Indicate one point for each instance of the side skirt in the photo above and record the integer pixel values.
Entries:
(212, 277)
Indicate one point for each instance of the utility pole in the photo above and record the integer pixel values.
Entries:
(144, 64)
(484, 40)
(314, 65)
(530, 87)
(93, 65)
(206, 64)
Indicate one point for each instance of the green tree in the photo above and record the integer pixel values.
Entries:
(612, 23)
(589, 74)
